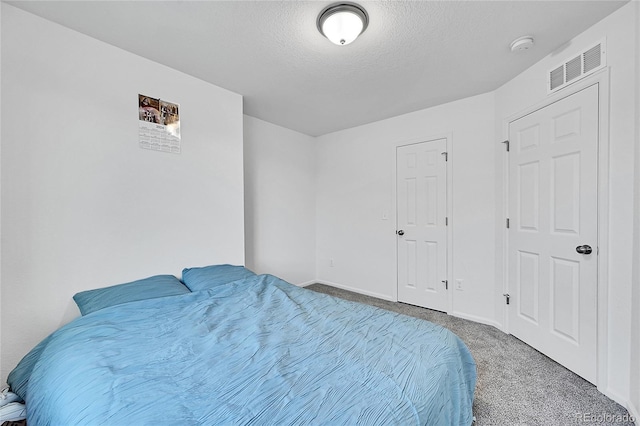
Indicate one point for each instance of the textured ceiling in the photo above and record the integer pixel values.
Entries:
(413, 55)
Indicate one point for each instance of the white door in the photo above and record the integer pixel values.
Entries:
(421, 179)
(553, 175)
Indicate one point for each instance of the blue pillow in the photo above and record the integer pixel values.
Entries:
(148, 288)
(207, 277)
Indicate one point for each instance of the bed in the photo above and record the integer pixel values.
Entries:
(244, 349)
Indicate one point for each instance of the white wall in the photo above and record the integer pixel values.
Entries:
(635, 318)
(279, 201)
(528, 89)
(355, 189)
(2, 377)
(82, 205)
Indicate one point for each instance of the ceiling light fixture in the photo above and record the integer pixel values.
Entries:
(342, 22)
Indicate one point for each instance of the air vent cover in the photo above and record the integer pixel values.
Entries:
(577, 67)
(592, 58)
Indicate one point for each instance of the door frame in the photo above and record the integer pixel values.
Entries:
(601, 79)
(394, 211)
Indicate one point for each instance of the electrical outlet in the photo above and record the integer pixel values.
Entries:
(459, 284)
(385, 215)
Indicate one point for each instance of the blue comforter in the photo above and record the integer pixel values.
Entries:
(255, 351)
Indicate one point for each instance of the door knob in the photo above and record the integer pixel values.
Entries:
(400, 232)
(585, 249)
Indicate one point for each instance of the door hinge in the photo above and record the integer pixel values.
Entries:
(508, 223)
(506, 144)
(446, 155)
(507, 297)
(446, 284)
(446, 221)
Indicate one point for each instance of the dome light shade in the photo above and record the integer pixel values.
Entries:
(342, 23)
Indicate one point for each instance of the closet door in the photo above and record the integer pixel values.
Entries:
(553, 205)
(421, 179)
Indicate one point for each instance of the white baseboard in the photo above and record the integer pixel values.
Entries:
(615, 396)
(635, 413)
(307, 283)
(357, 290)
(391, 299)
(477, 319)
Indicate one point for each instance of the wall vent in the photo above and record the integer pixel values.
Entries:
(577, 67)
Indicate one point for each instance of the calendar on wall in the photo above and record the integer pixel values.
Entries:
(158, 124)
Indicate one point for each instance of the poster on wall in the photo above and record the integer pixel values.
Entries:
(158, 124)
